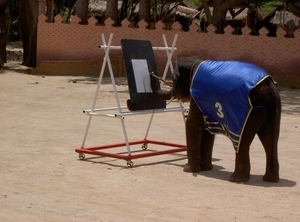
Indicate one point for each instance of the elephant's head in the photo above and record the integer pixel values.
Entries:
(182, 78)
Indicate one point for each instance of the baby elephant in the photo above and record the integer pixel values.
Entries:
(233, 98)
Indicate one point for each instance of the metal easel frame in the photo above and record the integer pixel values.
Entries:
(121, 111)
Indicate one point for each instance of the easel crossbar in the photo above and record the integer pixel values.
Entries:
(158, 48)
(96, 112)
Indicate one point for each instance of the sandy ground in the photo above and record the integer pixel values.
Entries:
(42, 179)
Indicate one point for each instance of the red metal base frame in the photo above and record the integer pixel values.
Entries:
(94, 150)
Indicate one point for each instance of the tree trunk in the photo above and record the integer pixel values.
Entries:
(220, 9)
(155, 12)
(82, 10)
(49, 4)
(207, 12)
(3, 4)
(112, 10)
(123, 13)
(28, 24)
(218, 16)
(144, 11)
(2, 37)
(294, 7)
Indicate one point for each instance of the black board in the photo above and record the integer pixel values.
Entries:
(139, 62)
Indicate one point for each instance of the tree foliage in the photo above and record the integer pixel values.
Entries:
(65, 8)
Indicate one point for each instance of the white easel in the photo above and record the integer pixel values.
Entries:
(122, 111)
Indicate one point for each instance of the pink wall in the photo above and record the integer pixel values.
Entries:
(73, 42)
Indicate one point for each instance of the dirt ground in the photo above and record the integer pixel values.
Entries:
(42, 179)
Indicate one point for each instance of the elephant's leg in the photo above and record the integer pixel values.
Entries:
(242, 160)
(269, 135)
(194, 131)
(207, 144)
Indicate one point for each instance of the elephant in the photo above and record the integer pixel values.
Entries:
(234, 98)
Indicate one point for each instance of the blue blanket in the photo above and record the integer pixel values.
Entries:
(221, 90)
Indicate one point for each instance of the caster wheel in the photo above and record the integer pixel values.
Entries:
(129, 163)
(81, 156)
(145, 146)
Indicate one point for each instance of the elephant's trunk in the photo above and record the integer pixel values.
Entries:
(165, 95)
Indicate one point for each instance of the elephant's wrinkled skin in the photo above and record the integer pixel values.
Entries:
(265, 122)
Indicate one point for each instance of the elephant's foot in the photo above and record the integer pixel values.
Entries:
(274, 178)
(272, 173)
(206, 166)
(191, 168)
(240, 177)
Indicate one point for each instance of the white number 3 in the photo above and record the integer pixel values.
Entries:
(219, 112)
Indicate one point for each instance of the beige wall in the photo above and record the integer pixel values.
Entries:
(74, 42)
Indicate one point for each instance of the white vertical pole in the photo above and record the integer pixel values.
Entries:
(118, 104)
(106, 56)
(125, 136)
(169, 64)
(148, 128)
